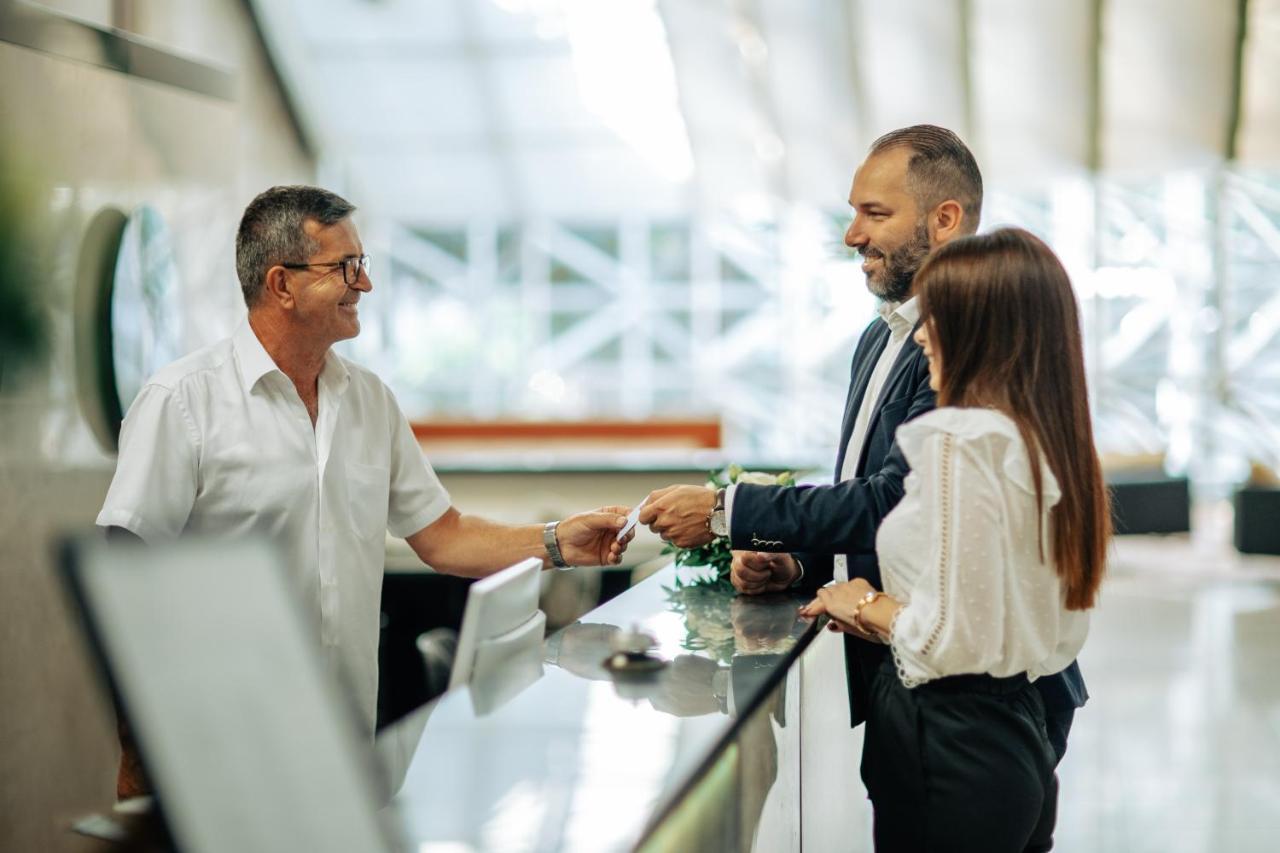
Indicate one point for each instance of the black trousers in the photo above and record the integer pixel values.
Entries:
(959, 764)
(1058, 722)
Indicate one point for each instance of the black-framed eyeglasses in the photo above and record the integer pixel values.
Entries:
(351, 267)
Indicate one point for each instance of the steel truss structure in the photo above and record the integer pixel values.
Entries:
(755, 324)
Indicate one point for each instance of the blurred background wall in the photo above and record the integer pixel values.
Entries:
(560, 193)
(81, 136)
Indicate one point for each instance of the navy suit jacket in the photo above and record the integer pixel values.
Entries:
(818, 522)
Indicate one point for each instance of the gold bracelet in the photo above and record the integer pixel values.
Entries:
(863, 602)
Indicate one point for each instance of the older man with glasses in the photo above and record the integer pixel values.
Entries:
(271, 432)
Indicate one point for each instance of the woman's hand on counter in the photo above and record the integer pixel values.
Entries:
(841, 601)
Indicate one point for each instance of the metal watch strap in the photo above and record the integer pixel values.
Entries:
(552, 546)
(718, 510)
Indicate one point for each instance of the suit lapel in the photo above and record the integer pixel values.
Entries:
(901, 363)
(876, 339)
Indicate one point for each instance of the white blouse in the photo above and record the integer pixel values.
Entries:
(961, 551)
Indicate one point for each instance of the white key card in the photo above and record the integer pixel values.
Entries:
(632, 520)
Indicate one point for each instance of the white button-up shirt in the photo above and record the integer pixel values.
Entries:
(219, 443)
(963, 552)
(901, 319)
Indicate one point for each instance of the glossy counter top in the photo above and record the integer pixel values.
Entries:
(563, 756)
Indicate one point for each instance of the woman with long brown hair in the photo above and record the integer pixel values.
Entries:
(991, 560)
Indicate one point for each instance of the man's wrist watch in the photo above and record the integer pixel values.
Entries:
(718, 523)
(552, 546)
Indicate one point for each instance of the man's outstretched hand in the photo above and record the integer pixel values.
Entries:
(680, 514)
(591, 538)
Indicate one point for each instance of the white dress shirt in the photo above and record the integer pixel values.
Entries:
(901, 319)
(978, 598)
(219, 443)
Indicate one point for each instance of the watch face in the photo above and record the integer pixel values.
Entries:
(718, 525)
(146, 315)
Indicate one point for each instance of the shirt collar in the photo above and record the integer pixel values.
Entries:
(255, 363)
(335, 373)
(252, 357)
(901, 316)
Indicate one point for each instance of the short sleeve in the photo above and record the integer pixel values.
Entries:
(953, 621)
(417, 496)
(157, 470)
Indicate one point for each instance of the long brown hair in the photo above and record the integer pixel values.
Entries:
(1003, 320)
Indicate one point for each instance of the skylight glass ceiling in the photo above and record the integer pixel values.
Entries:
(445, 110)
(562, 192)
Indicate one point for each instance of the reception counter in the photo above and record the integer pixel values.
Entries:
(701, 755)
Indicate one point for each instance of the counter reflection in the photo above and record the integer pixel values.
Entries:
(582, 760)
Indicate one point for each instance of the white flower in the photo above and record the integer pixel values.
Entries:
(757, 478)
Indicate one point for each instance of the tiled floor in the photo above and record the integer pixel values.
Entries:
(1179, 749)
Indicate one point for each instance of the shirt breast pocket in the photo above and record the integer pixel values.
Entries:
(368, 495)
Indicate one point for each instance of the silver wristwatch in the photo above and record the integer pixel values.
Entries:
(552, 546)
(718, 522)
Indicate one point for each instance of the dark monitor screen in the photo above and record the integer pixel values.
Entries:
(247, 738)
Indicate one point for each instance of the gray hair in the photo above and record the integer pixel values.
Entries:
(941, 168)
(271, 232)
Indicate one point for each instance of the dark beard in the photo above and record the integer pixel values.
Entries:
(900, 266)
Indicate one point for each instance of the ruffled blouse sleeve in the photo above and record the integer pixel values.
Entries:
(953, 621)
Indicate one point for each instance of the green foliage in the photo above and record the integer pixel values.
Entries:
(715, 554)
(704, 605)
